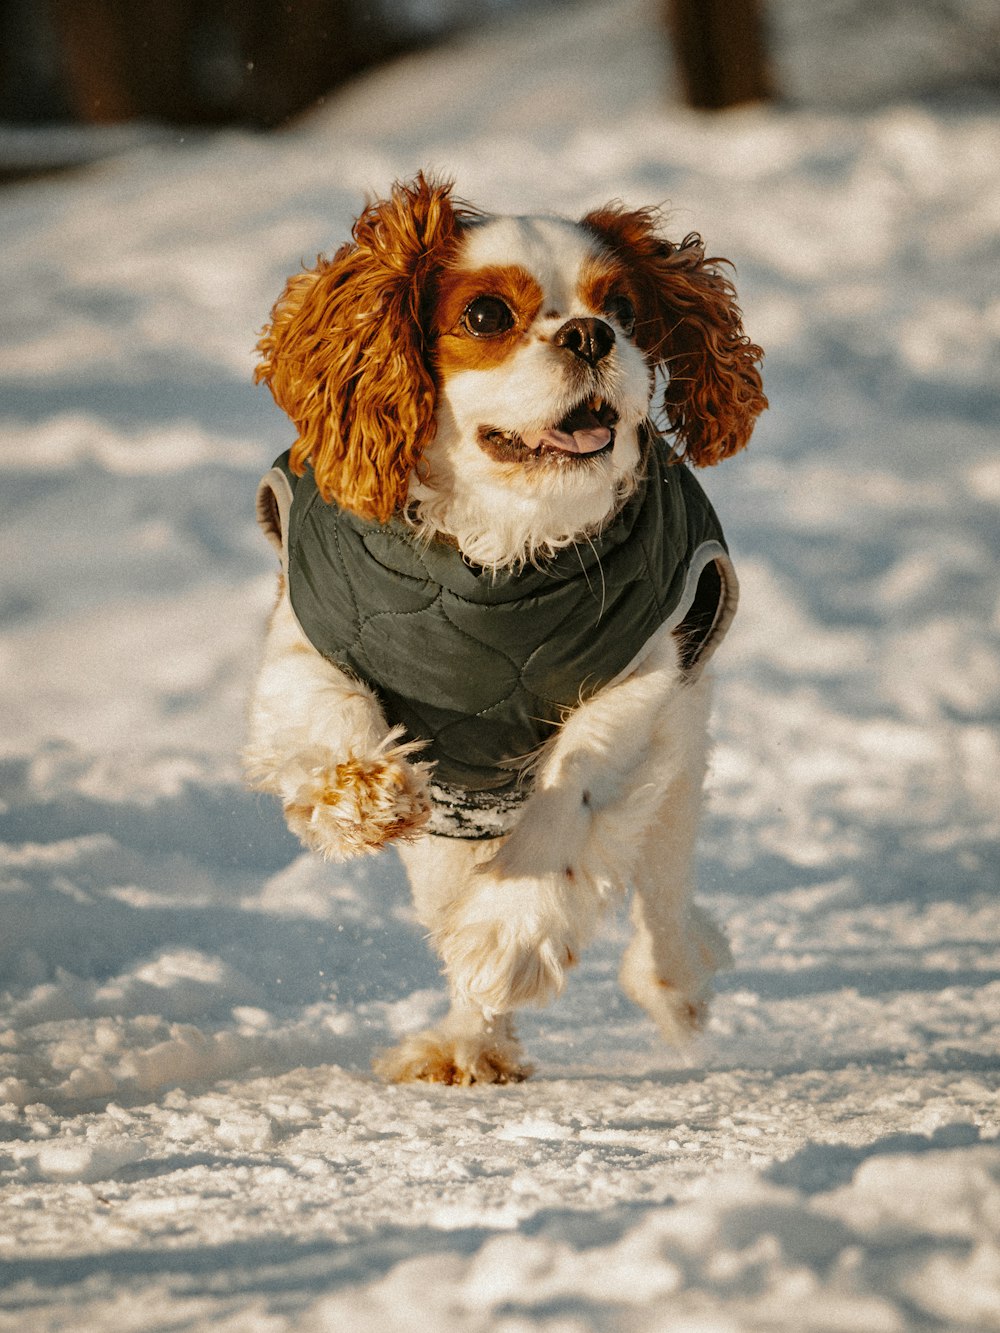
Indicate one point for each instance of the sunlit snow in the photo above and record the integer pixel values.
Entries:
(192, 1137)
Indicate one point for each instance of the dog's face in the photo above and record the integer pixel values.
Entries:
(542, 389)
(492, 375)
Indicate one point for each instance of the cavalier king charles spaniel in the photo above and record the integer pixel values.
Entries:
(500, 586)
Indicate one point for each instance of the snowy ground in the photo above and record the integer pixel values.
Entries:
(192, 1137)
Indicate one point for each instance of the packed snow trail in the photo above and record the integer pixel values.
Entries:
(191, 1133)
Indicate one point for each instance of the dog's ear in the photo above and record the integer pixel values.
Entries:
(689, 324)
(344, 352)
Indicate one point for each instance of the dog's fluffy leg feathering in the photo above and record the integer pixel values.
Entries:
(319, 741)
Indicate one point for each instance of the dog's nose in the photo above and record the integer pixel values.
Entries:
(589, 339)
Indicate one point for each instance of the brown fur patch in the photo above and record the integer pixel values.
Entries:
(369, 789)
(601, 277)
(688, 322)
(456, 348)
(345, 352)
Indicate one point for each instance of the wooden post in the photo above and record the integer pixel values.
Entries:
(721, 52)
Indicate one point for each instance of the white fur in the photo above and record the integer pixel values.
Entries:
(617, 793)
(313, 731)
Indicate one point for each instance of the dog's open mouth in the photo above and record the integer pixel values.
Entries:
(586, 431)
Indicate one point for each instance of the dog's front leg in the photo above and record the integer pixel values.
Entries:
(467, 1046)
(532, 907)
(318, 740)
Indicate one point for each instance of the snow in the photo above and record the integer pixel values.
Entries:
(191, 1133)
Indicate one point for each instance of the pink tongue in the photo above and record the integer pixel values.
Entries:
(580, 442)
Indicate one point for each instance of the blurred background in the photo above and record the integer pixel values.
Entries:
(262, 63)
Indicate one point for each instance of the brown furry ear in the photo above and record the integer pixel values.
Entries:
(688, 322)
(344, 352)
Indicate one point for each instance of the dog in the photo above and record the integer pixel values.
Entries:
(500, 588)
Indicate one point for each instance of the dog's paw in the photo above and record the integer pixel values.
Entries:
(679, 1010)
(675, 989)
(354, 807)
(679, 1016)
(510, 942)
(437, 1057)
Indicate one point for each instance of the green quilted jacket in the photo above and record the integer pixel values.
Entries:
(482, 666)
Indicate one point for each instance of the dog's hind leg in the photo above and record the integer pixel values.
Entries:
(468, 1046)
(676, 949)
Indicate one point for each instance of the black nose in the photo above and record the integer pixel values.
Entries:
(589, 339)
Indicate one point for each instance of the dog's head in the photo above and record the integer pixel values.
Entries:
(492, 376)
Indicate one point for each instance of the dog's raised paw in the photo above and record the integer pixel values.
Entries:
(356, 806)
(436, 1057)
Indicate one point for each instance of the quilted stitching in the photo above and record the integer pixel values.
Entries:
(520, 650)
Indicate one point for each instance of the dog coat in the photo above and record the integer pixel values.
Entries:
(483, 666)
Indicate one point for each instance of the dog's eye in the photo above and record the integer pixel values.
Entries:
(622, 311)
(487, 316)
